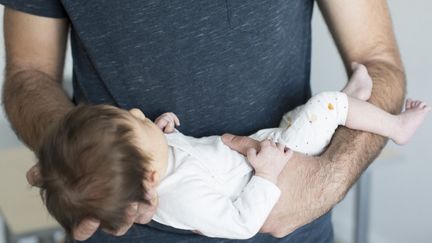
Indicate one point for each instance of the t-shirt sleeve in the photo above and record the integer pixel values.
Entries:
(46, 8)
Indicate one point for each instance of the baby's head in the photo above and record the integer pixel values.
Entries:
(96, 161)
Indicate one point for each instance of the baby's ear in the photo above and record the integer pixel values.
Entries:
(151, 179)
(137, 113)
(33, 175)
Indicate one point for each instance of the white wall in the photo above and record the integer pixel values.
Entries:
(401, 195)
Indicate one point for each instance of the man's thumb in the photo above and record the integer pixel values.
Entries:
(85, 229)
(240, 144)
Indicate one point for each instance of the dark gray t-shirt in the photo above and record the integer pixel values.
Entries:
(221, 65)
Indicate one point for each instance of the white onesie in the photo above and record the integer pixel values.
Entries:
(309, 128)
(211, 189)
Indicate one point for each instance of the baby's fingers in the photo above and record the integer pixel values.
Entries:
(161, 123)
(175, 118)
(169, 127)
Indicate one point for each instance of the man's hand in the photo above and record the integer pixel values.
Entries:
(269, 160)
(167, 121)
(139, 213)
(310, 187)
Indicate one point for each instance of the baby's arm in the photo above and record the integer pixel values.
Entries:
(203, 209)
(167, 121)
(270, 160)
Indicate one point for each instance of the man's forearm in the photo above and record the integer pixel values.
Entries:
(33, 101)
(351, 152)
(311, 186)
(363, 33)
(322, 186)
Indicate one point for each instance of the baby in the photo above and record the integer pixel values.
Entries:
(99, 159)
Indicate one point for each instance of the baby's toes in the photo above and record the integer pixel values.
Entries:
(422, 104)
(408, 104)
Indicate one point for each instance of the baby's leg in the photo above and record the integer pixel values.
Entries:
(323, 121)
(309, 128)
(367, 117)
(287, 216)
(400, 128)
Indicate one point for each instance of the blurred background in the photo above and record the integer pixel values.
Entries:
(397, 199)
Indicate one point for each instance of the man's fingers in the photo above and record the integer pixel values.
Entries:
(267, 143)
(123, 230)
(146, 213)
(144, 218)
(132, 211)
(119, 232)
(33, 175)
(131, 215)
(239, 143)
(85, 229)
(251, 154)
(151, 194)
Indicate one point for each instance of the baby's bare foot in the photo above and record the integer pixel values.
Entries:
(360, 83)
(409, 120)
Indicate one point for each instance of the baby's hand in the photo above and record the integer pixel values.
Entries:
(270, 160)
(167, 121)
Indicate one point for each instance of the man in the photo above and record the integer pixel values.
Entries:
(235, 66)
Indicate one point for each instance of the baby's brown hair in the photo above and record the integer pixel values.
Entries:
(91, 167)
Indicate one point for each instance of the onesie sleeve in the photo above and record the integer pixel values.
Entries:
(216, 215)
(45, 8)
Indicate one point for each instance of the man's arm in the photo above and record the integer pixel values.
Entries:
(32, 94)
(363, 33)
(311, 186)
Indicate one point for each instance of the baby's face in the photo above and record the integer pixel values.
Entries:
(153, 142)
